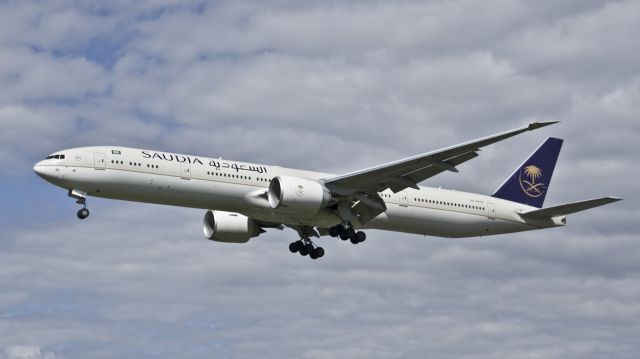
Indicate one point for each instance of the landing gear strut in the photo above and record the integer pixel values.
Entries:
(346, 231)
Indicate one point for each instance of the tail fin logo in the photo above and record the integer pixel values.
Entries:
(528, 184)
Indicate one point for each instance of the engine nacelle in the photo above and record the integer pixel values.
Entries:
(229, 227)
(299, 194)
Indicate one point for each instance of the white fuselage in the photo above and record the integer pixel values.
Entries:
(225, 185)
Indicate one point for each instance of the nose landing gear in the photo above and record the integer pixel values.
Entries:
(81, 198)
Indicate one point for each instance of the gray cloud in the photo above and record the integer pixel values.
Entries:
(334, 87)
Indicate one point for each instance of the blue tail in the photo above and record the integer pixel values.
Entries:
(530, 182)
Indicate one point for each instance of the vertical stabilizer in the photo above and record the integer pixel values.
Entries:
(530, 182)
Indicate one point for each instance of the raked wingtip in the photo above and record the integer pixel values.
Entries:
(536, 125)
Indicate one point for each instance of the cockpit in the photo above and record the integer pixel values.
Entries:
(57, 157)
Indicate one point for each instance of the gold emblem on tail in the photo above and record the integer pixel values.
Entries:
(528, 184)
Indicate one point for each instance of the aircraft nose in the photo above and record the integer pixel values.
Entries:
(38, 169)
(42, 170)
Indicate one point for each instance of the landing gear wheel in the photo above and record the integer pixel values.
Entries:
(305, 248)
(344, 237)
(360, 237)
(303, 252)
(339, 229)
(333, 232)
(350, 232)
(83, 213)
(318, 252)
(295, 246)
(308, 248)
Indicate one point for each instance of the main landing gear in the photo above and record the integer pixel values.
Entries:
(345, 231)
(306, 247)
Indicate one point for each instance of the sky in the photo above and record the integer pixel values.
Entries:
(333, 86)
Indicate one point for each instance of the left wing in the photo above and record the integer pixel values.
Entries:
(408, 172)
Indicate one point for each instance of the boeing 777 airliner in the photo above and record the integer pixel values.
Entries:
(244, 199)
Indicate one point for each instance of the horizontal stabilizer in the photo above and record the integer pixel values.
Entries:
(565, 209)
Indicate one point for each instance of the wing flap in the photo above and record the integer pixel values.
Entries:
(569, 208)
(442, 166)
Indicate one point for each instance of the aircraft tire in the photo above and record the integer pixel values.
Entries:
(308, 248)
(83, 213)
(350, 232)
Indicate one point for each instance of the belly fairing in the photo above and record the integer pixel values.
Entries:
(442, 223)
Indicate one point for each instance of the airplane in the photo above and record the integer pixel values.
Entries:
(242, 200)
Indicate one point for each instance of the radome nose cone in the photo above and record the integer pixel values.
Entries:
(40, 170)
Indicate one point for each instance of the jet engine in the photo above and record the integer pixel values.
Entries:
(297, 194)
(229, 227)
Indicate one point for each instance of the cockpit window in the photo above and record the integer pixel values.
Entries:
(56, 157)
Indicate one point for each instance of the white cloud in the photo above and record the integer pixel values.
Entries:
(336, 87)
(27, 352)
(591, 47)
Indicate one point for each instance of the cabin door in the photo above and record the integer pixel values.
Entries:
(402, 199)
(99, 161)
(185, 170)
(491, 211)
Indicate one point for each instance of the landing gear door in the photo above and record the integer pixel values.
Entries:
(185, 170)
(99, 161)
(491, 211)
